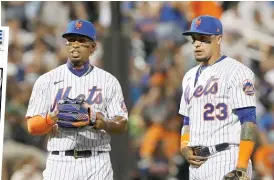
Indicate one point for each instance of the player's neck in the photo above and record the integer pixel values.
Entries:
(84, 69)
(78, 66)
(212, 60)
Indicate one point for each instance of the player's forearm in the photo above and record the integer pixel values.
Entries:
(248, 137)
(116, 125)
(39, 125)
(248, 131)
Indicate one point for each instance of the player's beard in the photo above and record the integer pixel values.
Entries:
(76, 63)
(201, 59)
(200, 56)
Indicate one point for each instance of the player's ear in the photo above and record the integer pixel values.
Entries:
(219, 39)
(94, 47)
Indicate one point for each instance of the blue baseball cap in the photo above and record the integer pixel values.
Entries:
(207, 25)
(81, 27)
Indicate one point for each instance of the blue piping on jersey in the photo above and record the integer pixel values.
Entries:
(205, 66)
(87, 68)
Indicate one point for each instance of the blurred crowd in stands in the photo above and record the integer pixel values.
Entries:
(159, 58)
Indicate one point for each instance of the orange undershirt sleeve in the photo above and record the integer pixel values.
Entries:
(39, 125)
(184, 140)
(245, 151)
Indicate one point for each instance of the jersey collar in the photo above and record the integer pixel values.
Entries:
(87, 68)
(221, 58)
(201, 68)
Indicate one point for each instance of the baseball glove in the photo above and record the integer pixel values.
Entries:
(74, 113)
(236, 175)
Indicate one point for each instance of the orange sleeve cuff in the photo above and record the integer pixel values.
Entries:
(185, 139)
(245, 151)
(39, 125)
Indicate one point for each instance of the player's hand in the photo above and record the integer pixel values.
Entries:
(195, 161)
(53, 116)
(100, 122)
(97, 118)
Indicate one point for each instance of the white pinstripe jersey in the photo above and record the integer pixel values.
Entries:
(220, 88)
(103, 92)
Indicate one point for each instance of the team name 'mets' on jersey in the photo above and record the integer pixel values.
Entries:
(102, 91)
(220, 88)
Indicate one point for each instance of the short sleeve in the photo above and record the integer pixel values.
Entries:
(116, 104)
(183, 104)
(39, 100)
(242, 88)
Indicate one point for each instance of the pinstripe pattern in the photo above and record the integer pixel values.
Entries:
(205, 108)
(98, 83)
(208, 133)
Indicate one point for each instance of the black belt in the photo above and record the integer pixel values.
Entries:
(78, 154)
(205, 152)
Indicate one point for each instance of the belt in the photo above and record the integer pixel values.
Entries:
(78, 154)
(207, 151)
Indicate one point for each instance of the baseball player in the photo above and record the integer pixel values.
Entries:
(78, 105)
(218, 105)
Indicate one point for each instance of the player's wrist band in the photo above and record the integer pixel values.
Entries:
(49, 121)
(184, 139)
(184, 143)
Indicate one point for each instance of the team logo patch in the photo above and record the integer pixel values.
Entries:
(78, 24)
(198, 22)
(248, 87)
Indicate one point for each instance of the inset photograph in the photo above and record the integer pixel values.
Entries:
(138, 90)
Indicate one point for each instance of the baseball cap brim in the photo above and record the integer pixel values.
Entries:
(188, 33)
(66, 34)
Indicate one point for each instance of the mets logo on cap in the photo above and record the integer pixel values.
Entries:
(248, 87)
(78, 24)
(198, 22)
